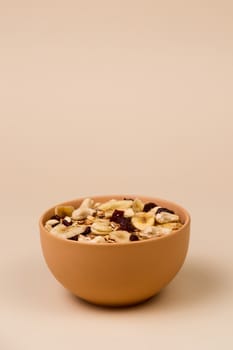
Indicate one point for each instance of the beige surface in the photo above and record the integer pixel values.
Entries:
(116, 96)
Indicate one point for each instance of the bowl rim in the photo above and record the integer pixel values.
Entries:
(187, 221)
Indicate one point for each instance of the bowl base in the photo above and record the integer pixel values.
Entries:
(117, 304)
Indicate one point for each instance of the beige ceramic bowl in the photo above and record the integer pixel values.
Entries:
(116, 274)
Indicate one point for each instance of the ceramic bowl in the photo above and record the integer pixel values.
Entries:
(116, 274)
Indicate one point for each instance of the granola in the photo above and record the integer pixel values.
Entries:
(114, 221)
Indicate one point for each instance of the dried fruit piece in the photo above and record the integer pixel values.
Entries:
(117, 216)
(67, 221)
(101, 227)
(141, 220)
(116, 204)
(74, 238)
(64, 210)
(137, 205)
(160, 209)
(55, 217)
(164, 217)
(125, 223)
(120, 236)
(133, 237)
(149, 206)
(67, 232)
(87, 231)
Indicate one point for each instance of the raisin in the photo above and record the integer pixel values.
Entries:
(149, 206)
(165, 210)
(133, 237)
(55, 217)
(117, 216)
(87, 231)
(67, 223)
(74, 238)
(126, 225)
(55, 224)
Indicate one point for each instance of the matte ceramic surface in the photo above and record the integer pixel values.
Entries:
(116, 274)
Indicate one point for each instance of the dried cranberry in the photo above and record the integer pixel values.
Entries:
(87, 231)
(133, 238)
(165, 210)
(55, 217)
(149, 206)
(74, 238)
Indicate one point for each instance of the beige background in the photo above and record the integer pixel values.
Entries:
(101, 97)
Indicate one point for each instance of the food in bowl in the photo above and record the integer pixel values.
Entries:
(117, 274)
(113, 221)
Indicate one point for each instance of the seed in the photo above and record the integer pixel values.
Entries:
(74, 238)
(149, 206)
(166, 210)
(133, 237)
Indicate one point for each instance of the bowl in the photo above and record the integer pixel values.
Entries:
(116, 274)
